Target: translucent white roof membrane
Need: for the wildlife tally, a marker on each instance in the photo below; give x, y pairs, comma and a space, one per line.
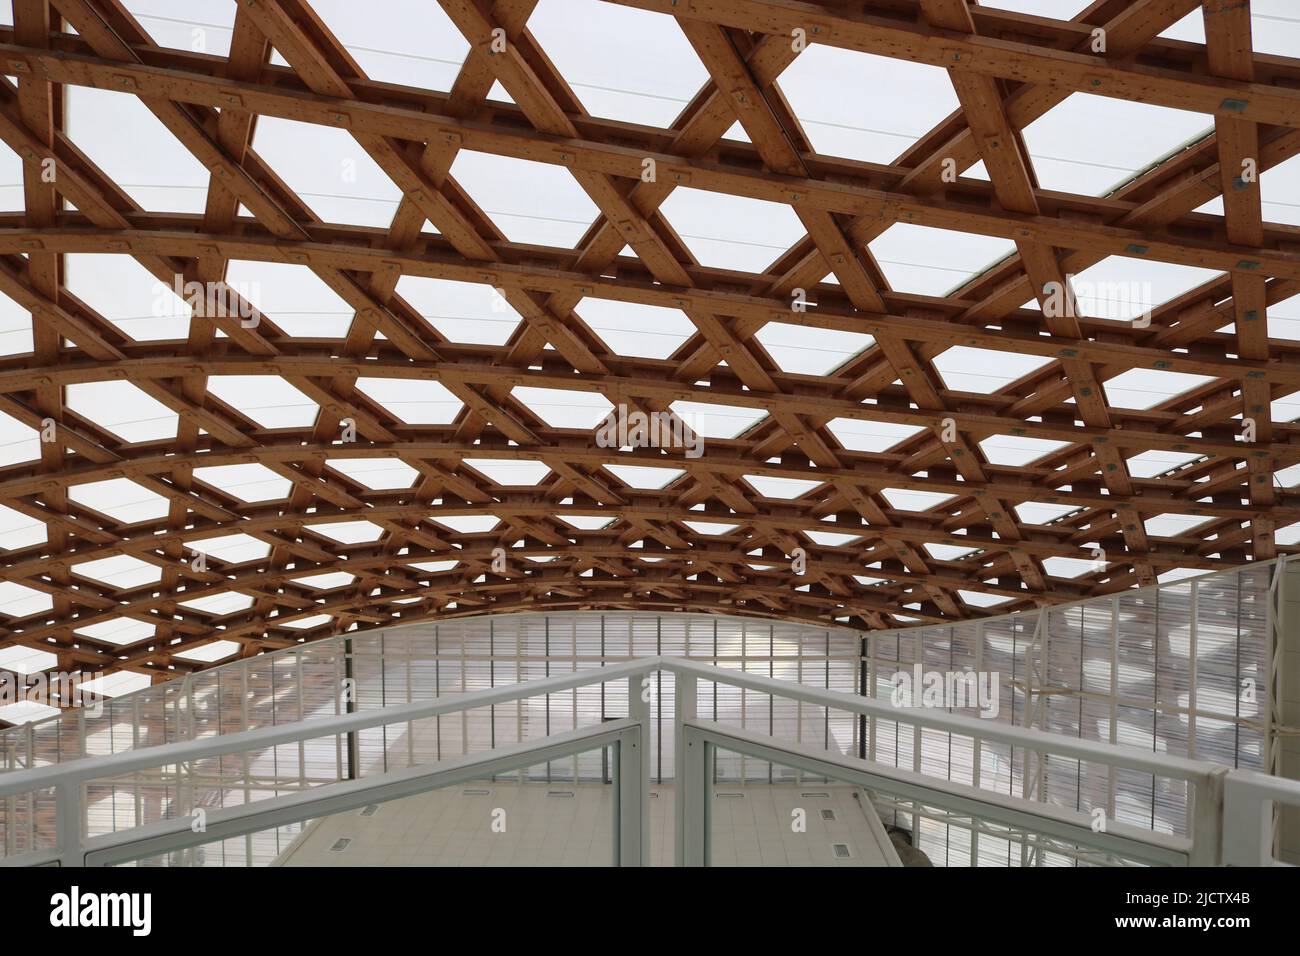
808, 350
222, 603
329, 170
376, 473
1055, 9
982, 370
467, 524
17, 600
1016, 449
1035, 512
1279, 187
770, 487
1284, 319
875, 436
564, 408
1149, 464
231, 548
641, 476
248, 482
203, 26
510, 471
1145, 388
717, 421
26, 660
709, 527
267, 400
1137, 135
531, 202
732, 232
11, 178
349, 532
15, 325
1128, 290
119, 630
947, 552
462, 312
428, 51
136, 150
934, 261
293, 297
915, 97
210, 653
909, 500
631, 328
120, 498
413, 402
616, 62
18, 442
18, 530
1274, 27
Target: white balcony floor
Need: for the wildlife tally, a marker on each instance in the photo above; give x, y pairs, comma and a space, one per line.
451, 827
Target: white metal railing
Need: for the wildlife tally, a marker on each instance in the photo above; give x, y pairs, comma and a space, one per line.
1249, 802
1145, 667
1032, 820
1227, 807
1204, 779
624, 737
1142, 666
68, 779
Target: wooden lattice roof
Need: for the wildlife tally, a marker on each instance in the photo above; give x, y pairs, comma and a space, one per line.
924, 526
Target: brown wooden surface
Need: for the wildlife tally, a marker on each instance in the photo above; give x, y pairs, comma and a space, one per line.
1007, 70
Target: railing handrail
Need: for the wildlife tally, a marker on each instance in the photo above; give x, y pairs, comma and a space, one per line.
1041, 741
1120, 755
1205, 778
184, 751
1265, 786
1008, 809
343, 795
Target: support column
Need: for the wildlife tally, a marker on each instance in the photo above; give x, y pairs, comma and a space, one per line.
686, 692
1285, 702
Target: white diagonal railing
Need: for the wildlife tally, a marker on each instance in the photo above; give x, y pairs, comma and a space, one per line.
1247, 810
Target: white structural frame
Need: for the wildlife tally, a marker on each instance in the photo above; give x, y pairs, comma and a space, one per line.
622, 736
1230, 815
703, 738
1205, 779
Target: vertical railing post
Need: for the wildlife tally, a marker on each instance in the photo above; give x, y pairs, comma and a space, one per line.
31, 805
350, 702
1112, 735
1275, 690
1194, 611
693, 788
685, 708
68, 813
634, 776
1210, 831
977, 746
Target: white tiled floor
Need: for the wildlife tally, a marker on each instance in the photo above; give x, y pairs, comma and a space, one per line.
755, 827
572, 825
455, 827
